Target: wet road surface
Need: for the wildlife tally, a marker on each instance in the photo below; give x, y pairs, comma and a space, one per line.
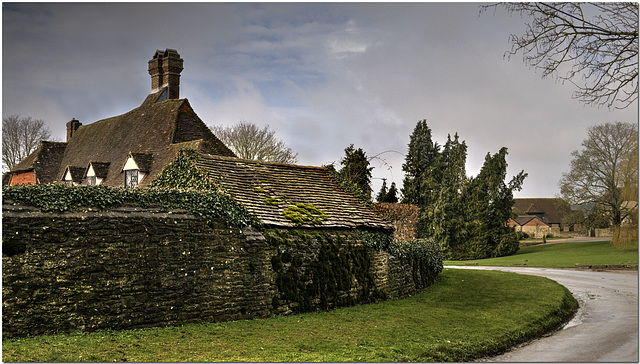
605, 329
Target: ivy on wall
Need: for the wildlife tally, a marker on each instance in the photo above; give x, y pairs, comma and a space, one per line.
342, 259
324, 278
425, 250
61, 198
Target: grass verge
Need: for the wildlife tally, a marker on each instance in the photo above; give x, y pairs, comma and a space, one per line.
466, 315
561, 255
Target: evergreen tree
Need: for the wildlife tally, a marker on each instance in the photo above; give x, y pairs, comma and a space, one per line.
382, 195
448, 223
466, 216
488, 207
392, 194
355, 168
421, 167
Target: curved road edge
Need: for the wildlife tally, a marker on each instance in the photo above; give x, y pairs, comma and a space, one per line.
605, 328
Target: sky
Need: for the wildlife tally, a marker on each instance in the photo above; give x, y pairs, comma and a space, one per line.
322, 75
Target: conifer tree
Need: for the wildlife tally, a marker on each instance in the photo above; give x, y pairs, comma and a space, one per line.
466, 216
382, 195
385, 195
421, 167
392, 194
448, 222
355, 168
489, 207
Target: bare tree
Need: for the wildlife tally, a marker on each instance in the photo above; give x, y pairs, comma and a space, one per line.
20, 137
598, 42
248, 141
605, 171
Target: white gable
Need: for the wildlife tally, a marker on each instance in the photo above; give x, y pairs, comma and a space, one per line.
67, 176
91, 172
131, 164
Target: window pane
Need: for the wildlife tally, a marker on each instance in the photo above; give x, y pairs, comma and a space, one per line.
131, 178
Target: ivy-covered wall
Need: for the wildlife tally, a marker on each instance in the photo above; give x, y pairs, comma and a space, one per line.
132, 266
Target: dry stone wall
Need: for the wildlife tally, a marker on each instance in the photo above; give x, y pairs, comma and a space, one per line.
132, 267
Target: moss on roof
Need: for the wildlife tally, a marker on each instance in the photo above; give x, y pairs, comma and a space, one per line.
305, 196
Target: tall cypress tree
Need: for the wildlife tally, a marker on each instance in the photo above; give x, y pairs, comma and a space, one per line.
489, 207
466, 216
448, 222
421, 167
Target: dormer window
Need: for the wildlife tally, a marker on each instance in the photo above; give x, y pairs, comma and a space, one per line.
68, 180
136, 168
130, 178
73, 175
96, 173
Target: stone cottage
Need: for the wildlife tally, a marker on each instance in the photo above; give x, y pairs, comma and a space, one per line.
127, 150
135, 266
131, 149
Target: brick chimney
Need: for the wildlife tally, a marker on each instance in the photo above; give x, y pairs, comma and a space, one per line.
165, 68
72, 126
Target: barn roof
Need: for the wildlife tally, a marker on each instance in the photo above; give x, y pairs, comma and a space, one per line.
549, 210
525, 219
279, 193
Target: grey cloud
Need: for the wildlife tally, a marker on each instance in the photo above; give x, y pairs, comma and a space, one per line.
323, 75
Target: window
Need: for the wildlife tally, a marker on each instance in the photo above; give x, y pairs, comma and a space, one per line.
130, 178
91, 180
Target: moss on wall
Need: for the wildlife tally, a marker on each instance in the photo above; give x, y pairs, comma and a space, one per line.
321, 270
134, 266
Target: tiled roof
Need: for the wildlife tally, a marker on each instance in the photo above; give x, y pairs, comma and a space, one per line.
523, 219
143, 161
149, 129
45, 161
99, 168
549, 210
269, 189
77, 173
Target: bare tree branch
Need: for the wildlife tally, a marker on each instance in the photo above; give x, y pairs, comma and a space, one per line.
605, 170
20, 137
248, 141
598, 55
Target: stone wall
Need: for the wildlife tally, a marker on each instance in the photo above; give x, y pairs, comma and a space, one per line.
132, 267
404, 218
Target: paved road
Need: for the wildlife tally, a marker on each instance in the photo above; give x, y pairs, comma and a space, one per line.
605, 329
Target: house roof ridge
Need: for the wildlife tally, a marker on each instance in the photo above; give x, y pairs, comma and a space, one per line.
256, 162
53, 142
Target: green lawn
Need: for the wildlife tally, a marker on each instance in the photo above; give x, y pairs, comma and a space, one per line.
561, 255
466, 315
